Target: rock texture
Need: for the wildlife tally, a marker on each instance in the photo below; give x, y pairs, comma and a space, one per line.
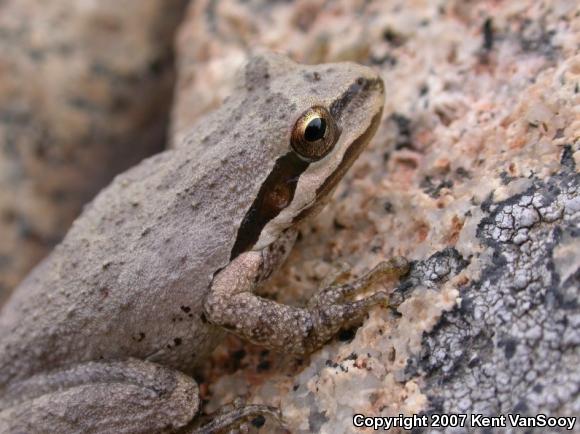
85, 90
472, 175
517, 329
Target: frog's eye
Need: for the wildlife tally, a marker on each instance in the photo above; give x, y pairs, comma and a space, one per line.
315, 134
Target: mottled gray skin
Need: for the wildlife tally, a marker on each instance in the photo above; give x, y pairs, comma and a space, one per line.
99, 337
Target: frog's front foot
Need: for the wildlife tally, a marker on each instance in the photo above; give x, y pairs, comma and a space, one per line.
232, 304
333, 306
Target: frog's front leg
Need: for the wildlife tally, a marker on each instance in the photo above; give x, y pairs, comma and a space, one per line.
232, 304
131, 396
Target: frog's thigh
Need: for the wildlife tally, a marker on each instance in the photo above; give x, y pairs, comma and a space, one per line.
121, 397
232, 304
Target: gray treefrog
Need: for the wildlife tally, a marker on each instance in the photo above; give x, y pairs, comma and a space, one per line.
103, 335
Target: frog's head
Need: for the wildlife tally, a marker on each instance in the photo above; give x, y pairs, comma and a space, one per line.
320, 119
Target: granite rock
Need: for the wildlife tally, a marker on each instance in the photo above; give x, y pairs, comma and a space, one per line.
75, 109
472, 175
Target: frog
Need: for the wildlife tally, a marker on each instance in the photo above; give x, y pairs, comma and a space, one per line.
105, 334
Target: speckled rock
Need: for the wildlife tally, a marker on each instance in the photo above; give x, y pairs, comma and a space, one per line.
472, 175
85, 88
517, 329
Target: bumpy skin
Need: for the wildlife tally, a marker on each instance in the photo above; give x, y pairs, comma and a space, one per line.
98, 338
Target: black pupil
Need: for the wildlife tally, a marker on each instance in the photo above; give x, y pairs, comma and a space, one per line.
315, 130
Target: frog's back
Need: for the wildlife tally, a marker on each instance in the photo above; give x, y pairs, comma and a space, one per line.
130, 277
131, 274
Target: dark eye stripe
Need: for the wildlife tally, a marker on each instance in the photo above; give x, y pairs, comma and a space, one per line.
360, 85
278, 188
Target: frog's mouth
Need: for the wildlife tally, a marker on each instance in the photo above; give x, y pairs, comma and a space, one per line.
351, 154
324, 192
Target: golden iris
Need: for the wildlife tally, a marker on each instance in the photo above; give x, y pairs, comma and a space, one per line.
315, 134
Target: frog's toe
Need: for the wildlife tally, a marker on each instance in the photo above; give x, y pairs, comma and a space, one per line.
328, 319
341, 269
238, 420
393, 268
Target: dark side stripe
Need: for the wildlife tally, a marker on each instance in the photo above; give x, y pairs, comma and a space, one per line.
278, 188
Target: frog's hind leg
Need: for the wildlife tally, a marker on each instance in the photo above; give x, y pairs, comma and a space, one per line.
131, 396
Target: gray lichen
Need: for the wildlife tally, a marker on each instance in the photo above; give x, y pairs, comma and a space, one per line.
436, 269
512, 345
